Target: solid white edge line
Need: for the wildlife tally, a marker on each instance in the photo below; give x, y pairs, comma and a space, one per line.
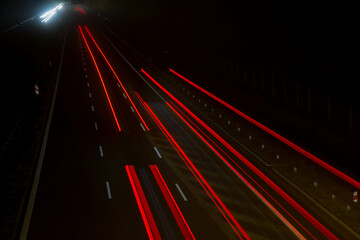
142, 127
181, 192
101, 151
157, 152
108, 189
31, 202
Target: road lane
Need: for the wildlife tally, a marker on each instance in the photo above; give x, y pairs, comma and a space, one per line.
71, 202
71, 194
301, 220
230, 188
85, 151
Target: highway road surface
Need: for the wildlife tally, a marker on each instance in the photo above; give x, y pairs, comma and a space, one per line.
123, 160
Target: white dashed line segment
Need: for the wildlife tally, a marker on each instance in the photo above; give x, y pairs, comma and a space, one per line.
108, 189
157, 152
101, 151
181, 192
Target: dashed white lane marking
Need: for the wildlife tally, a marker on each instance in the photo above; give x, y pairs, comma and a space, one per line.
88, 84
96, 127
86, 76
84, 63
108, 189
157, 152
85, 69
142, 127
89, 95
124, 95
82, 58
101, 151
181, 192
132, 109
92, 108
118, 85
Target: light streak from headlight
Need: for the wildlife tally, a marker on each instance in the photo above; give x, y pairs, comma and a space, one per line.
46, 16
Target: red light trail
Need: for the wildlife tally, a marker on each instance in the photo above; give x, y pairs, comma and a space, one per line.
184, 227
232, 221
122, 86
102, 82
276, 135
173, 106
284, 195
143, 205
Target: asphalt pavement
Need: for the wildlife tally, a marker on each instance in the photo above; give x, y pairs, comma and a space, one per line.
84, 190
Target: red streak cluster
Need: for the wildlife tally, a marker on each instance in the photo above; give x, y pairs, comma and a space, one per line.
102, 81
117, 78
143, 205
284, 195
276, 135
184, 227
208, 189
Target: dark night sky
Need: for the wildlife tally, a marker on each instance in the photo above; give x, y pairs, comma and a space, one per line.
319, 33
12, 12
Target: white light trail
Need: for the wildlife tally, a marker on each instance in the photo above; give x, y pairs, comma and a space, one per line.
46, 16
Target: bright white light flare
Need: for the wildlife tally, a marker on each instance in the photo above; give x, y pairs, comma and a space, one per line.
46, 16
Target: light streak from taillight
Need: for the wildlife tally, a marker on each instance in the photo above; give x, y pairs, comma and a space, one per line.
142, 203
140, 98
102, 82
277, 213
184, 227
192, 171
232, 221
122, 86
284, 195
276, 135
